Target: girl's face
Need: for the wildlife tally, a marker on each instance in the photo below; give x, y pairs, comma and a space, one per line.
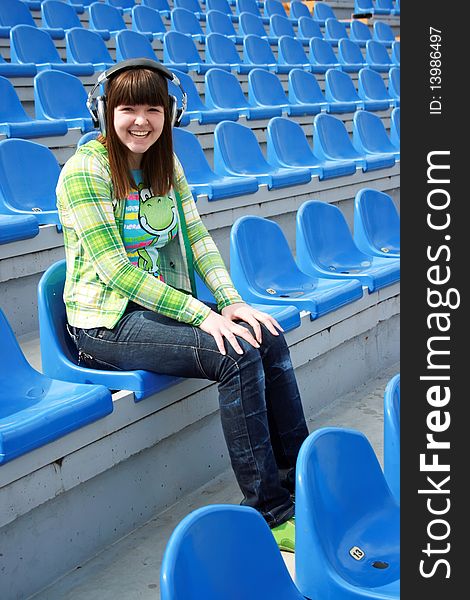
138, 127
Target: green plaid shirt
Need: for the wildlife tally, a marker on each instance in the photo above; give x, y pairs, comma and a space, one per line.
100, 279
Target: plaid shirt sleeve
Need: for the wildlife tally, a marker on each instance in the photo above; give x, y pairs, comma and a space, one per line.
84, 196
207, 259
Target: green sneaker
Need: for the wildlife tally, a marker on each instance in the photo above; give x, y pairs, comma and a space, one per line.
285, 536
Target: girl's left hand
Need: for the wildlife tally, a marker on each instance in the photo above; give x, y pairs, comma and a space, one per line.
241, 311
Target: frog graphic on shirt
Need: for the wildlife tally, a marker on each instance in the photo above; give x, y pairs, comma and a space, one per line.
157, 216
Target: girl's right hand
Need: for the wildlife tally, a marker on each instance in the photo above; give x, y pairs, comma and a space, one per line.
220, 327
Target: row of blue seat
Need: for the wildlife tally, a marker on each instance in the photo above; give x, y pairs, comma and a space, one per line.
343, 549
29, 171
377, 7
60, 99
330, 272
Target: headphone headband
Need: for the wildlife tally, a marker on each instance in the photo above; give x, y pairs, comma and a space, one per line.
97, 105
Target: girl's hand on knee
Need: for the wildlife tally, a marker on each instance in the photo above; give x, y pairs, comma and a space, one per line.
220, 327
244, 312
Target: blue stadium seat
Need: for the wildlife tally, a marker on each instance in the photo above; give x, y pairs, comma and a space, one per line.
376, 223
85, 46
9, 69
394, 85
395, 127
392, 435
15, 12
385, 5
372, 89
250, 6
334, 31
36, 409
60, 95
322, 12
148, 22
207, 556
377, 56
193, 6
332, 142
31, 45
59, 354
104, 17
290, 52
287, 146
196, 108
184, 21
201, 178
125, 6
17, 227
279, 26
274, 7
219, 22
299, 9
350, 56
396, 53
224, 91
58, 14
322, 56
237, 152
222, 6
340, 91
308, 28
86, 137
325, 248
132, 44
265, 89
222, 53
16, 123
28, 177
383, 33
370, 136
360, 33
180, 52
264, 271
369, 7
162, 6
250, 24
345, 549
257, 52
304, 88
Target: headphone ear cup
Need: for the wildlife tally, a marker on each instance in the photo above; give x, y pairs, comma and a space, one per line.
101, 113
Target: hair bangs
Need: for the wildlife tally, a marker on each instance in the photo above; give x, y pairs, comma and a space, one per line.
139, 87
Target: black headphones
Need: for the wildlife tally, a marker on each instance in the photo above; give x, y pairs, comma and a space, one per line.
97, 104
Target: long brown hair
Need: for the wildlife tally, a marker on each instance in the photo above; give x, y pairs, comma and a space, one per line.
134, 87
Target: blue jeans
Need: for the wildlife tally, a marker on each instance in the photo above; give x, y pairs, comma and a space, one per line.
260, 406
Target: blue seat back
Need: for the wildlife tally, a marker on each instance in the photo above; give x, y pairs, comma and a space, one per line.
132, 44
304, 87
274, 7
179, 48
331, 139
308, 28
335, 30
396, 53
265, 88
86, 46
219, 22
250, 24
193, 98
28, 176
59, 95
322, 12
334, 465
321, 52
236, 149
224, 90
257, 51
221, 50
291, 52
184, 21
287, 143
160, 5
392, 435
371, 85
14, 13
220, 5
192, 5
280, 25
339, 87
86, 137
145, 19
11, 109
376, 53
29, 44
359, 32
376, 223
394, 82
207, 557
105, 16
385, 4
127, 4
299, 9
382, 32
59, 14
250, 6
395, 126
369, 133
192, 157
349, 52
